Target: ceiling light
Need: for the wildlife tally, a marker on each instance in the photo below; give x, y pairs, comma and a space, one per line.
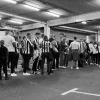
84, 22
20, 17
58, 11
11, 1
53, 14
0, 18
31, 7
15, 21
33, 4
18, 20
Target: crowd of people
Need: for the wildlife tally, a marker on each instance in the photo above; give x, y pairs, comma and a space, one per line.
45, 52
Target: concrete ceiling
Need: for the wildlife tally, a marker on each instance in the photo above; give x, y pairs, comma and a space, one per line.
70, 7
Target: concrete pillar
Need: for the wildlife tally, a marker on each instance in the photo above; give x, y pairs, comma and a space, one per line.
87, 39
47, 30
98, 36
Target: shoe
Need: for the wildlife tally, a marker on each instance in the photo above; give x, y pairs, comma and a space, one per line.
28, 68
38, 72
50, 74
64, 67
9, 69
17, 70
54, 69
3, 75
0, 78
26, 74
42, 73
8, 73
13, 74
6, 78
77, 67
91, 63
71, 67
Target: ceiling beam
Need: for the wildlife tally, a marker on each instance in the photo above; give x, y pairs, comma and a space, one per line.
73, 19
9, 28
32, 26
67, 20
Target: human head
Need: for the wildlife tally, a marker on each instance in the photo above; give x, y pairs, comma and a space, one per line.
16, 38
29, 35
45, 38
61, 38
24, 37
37, 34
9, 33
2, 42
75, 38
91, 42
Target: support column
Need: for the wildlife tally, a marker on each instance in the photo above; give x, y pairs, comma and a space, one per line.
98, 36
47, 31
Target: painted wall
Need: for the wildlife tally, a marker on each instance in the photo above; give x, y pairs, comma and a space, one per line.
57, 33
2, 34
69, 35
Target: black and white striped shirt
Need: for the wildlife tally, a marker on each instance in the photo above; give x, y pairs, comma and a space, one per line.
45, 47
17, 47
27, 46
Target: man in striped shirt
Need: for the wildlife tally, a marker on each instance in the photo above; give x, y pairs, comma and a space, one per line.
27, 53
16, 53
45, 50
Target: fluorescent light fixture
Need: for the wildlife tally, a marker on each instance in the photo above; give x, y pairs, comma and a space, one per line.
84, 22
31, 7
20, 17
0, 18
53, 14
15, 21
11, 1
33, 4
58, 12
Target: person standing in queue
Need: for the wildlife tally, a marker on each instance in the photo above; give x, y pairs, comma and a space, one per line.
9, 42
45, 47
62, 49
16, 53
27, 51
3, 60
55, 54
75, 48
35, 56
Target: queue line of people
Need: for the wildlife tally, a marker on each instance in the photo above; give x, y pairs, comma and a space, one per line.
56, 54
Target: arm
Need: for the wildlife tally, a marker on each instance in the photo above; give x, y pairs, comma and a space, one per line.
52, 45
13, 42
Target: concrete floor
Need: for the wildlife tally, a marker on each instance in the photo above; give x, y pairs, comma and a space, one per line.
37, 87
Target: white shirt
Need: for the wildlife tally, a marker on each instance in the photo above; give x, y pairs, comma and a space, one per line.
95, 49
8, 42
40, 40
75, 45
99, 48
92, 49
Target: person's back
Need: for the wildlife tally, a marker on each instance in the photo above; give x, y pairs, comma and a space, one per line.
3, 59
3, 53
75, 45
8, 41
